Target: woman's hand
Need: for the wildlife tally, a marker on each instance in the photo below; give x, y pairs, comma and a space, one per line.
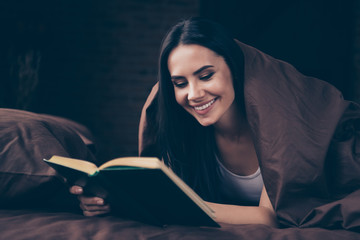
91, 206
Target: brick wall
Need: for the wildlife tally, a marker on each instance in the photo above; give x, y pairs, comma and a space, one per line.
98, 60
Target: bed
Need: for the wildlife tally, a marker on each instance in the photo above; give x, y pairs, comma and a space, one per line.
35, 203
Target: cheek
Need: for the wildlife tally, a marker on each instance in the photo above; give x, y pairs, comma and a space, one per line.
230, 96
180, 97
231, 92
223, 88
227, 87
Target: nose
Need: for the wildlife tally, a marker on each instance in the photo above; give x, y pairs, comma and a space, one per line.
196, 92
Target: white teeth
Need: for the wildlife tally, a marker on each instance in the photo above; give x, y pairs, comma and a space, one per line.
205, 105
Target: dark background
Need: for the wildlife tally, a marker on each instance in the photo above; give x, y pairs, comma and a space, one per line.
96, 61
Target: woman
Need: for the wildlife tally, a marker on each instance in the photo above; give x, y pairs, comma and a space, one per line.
222, 110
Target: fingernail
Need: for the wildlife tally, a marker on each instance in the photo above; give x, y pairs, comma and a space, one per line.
78, 190
100, 202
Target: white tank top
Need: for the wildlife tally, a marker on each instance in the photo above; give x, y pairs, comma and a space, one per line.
237, 189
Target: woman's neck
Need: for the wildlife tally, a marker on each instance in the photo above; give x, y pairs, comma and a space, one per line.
232, 125
235, 144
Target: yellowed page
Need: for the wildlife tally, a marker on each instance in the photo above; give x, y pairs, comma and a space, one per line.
80, 165
142, 162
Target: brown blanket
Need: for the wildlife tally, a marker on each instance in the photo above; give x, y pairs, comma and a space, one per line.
307, 141
23, 224
35, 203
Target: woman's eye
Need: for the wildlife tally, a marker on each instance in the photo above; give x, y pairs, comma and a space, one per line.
180, 84
206, 76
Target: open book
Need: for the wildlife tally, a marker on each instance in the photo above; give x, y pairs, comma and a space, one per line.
139, 188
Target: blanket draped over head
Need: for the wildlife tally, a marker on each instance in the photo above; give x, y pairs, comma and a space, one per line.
307, 139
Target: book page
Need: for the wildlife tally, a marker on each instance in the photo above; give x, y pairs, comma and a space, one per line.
77, 164
140, 162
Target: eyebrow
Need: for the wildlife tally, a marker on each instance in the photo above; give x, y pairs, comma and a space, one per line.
194, 73
202, 68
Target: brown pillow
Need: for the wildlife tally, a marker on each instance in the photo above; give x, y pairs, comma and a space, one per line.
25, 139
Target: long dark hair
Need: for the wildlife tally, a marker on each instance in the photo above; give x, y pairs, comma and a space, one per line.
186, 146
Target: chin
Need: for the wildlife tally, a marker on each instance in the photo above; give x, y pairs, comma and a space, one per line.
205, 123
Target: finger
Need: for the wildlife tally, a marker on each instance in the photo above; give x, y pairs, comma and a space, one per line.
94, 213
93, 208
77, 190
91, 200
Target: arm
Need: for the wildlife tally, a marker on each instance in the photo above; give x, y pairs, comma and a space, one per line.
234, 214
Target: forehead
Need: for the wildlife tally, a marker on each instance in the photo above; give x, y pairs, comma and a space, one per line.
191, 57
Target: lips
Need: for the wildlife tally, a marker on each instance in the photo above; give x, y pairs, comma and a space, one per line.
203, 108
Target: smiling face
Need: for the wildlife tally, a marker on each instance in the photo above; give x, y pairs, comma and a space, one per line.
202, 82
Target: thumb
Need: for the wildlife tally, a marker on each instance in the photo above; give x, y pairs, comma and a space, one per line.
77, 190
